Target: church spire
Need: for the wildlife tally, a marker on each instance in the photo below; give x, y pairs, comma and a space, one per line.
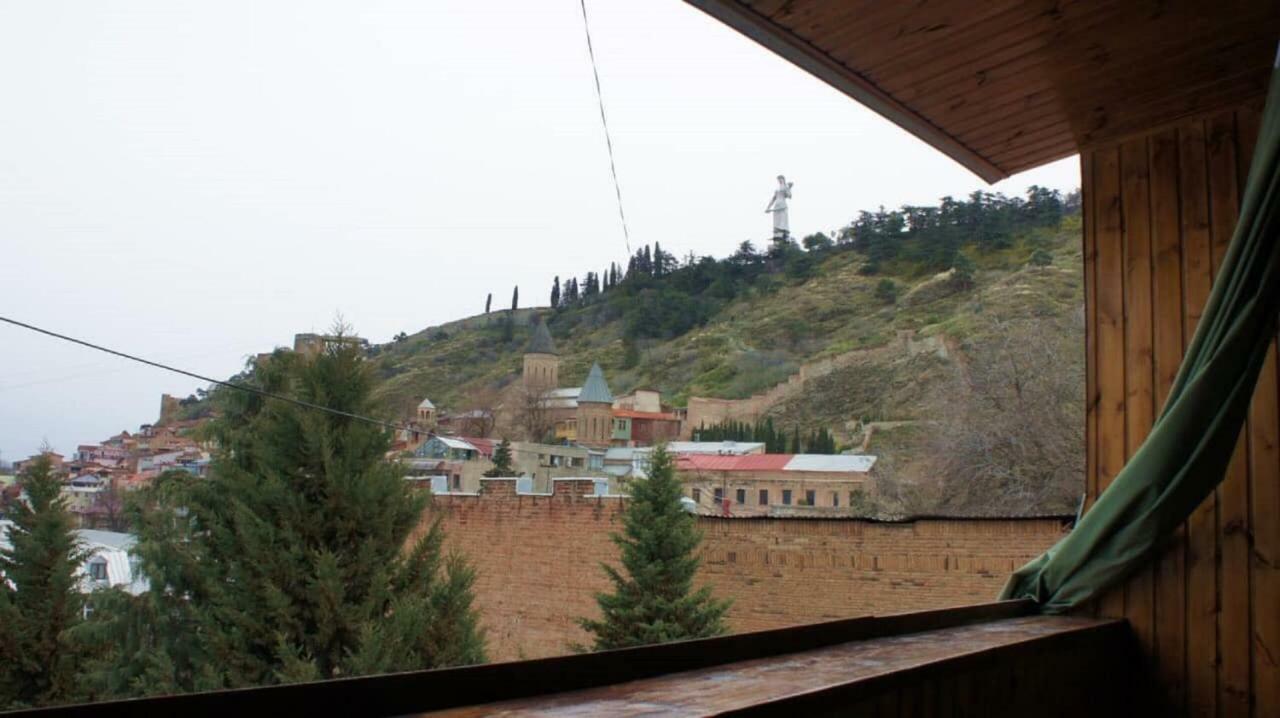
541, 342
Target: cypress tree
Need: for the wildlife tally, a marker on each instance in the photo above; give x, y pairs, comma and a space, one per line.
501, 461
555, 292
795, 442
488, 302
515, 298
302, 566
40, 595
653, 599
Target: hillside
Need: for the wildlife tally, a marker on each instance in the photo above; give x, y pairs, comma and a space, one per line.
937, 349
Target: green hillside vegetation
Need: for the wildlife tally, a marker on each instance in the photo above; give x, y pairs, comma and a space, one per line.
969, 280
733, 327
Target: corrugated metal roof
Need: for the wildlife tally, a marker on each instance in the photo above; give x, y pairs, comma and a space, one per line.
595, 389
726, 448
457, 443
484, 446
831, 462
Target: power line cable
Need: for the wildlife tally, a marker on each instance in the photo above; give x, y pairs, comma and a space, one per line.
608, 141
241, 387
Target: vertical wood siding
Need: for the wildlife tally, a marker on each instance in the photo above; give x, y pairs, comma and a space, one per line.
1160, 210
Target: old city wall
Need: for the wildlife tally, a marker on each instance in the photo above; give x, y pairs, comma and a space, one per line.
538, 560
705, 411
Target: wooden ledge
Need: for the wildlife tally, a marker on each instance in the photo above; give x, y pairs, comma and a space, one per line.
799, 683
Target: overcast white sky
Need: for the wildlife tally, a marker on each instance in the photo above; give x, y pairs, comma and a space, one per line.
196, 181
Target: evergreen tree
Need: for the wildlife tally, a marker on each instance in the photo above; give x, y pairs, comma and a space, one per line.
293, 561
488, 302
40, 595
653, 600
555, 292
515, 298
795, 442
501, 461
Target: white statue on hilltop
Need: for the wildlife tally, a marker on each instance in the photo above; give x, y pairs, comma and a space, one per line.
778, 206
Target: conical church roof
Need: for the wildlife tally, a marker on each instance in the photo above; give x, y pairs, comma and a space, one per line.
541, 342
595, 389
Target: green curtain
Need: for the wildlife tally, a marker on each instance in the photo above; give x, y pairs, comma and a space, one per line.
1191, 443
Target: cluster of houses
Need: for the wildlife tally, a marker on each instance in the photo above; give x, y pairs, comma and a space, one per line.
96, 475
587, 432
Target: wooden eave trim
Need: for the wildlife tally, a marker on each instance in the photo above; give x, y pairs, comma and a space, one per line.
804, 55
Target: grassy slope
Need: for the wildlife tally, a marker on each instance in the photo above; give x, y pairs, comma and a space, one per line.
758, 340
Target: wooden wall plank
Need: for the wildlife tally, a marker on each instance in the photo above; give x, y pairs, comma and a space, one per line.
1139, 402
1202, 537
1264, 481
1234, 679
1169, 645
1090, 338
1264, 488
1109, 232
1209, 615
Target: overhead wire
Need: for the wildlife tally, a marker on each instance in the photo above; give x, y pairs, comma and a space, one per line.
604, 122
219, 382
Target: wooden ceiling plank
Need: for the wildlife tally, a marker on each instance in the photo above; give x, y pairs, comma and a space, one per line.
1102, 66
867, 43
1092, 99
1029, 55
971, 42
817, 63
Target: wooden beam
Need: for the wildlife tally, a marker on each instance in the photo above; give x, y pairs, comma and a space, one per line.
817, 63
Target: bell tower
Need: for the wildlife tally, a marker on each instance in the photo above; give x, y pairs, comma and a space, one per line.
541, 361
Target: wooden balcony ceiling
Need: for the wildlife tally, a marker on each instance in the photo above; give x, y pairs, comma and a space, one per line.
1002, 86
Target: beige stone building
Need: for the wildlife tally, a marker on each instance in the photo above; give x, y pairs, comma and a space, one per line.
773, 484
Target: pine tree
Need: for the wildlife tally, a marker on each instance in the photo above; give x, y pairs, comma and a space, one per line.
795, 442
301, 567
501, 461
653, 599
555, 293
515, 298
40, 595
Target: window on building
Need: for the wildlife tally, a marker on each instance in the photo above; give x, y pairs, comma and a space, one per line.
719, 494
98, 569
457, 482
786, 497
835, 498
764, 497
742, 496
697, 496
810, 498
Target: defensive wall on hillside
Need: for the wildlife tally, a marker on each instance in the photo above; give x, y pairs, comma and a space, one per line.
706, 411
538, 559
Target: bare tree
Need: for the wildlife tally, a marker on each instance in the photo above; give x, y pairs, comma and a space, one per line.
109, 504
1011, 437
535, 415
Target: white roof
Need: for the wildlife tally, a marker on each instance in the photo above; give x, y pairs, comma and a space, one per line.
564, 397
860, 463
108, 546
426, 404
456, 443
718, 448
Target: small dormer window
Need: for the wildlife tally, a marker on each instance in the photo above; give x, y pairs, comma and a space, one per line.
98, 569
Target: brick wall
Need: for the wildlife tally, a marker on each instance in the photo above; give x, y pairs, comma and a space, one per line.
538, 559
